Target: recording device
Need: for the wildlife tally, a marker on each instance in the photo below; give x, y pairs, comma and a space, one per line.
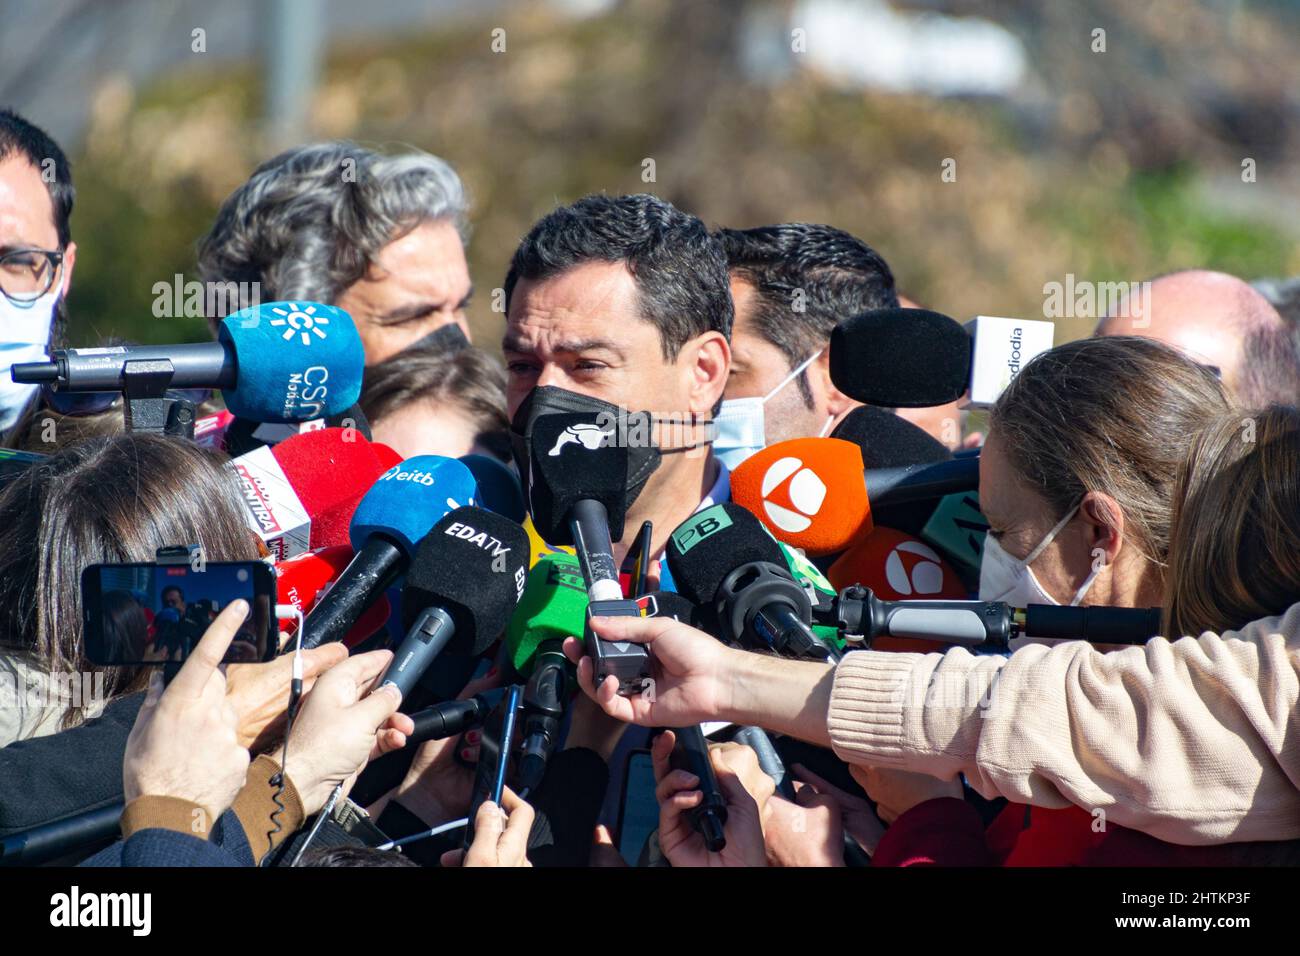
448, 719
992, 625
577, 496
152, 613
462, 587
274, 362
708, 818
809, 492
723, 560
387, 526
494, 756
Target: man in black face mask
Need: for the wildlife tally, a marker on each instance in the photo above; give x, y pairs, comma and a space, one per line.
623, 302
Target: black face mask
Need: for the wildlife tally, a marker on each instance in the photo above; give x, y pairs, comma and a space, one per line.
447, 338
631, 430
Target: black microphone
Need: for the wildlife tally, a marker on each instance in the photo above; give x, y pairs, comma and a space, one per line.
724, 560
448, 719
907, 484
1095, 623
467, 576
901, 358
50, 841
887, 441
709, 817
576, 496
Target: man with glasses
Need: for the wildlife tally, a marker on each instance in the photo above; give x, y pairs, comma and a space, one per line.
36, 253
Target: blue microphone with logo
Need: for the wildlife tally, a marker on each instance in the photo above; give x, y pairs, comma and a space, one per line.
387, 527
276, 362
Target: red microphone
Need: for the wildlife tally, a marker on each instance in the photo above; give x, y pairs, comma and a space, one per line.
301, 581
301, 493
898, 567
809, 492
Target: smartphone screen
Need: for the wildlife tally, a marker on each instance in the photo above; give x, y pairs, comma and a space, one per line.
154, 613
638, 812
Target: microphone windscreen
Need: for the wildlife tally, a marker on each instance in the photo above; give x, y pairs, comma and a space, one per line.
709, 545
473, 565
909, 358
385, 455
897, 567
498, 488
302, 580
553, 607
809, 492
351, 417
409, 499
296, 361
575, 458
887, 441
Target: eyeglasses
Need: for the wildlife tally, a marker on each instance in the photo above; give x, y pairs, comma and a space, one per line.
92, 403
27, 274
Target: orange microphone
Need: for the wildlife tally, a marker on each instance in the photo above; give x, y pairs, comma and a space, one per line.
809, 492
898, 567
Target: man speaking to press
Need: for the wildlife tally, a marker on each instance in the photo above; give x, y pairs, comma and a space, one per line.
624, 303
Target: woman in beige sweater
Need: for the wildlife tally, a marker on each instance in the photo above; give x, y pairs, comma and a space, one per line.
1193, 741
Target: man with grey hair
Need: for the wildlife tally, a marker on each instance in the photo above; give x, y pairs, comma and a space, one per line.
1219, 320
381, 237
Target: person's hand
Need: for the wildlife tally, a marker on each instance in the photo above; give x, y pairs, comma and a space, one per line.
260, 692
184, 743
498, 840
897, 791
677, 796
858, 818
690, 670
806, 832
436, 788
341, 726
603, 851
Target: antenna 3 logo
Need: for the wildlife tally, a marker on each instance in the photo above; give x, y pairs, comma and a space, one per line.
913, 568
792, 495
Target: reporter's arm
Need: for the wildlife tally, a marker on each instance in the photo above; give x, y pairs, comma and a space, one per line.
1193, 742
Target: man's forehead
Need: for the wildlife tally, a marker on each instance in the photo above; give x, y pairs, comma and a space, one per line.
26, 210
594, 302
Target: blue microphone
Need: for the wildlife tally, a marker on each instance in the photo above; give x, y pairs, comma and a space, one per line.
277, 362
386, 530
498, 487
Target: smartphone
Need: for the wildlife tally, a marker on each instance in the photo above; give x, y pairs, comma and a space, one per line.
638, 808
494, 755
156, 613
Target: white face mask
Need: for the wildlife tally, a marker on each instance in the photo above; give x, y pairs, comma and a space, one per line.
24, 337
1012, 580
740, 427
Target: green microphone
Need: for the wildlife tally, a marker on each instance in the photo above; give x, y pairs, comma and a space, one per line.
820, 591
554, 606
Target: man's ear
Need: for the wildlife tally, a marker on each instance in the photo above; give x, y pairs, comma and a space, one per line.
1105, 526
837, 403
707, 362
69, 261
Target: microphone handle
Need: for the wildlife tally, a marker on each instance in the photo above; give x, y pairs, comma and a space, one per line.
589, 523
371, 570
52, 840
426, 639
769, 761
709, 818
447, 719
194, 365
911, 483
1100, 625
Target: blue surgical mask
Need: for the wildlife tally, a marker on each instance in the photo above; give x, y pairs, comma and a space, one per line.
24, 337
740, 427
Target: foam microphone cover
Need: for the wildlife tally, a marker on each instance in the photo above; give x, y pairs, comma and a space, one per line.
553, 607
809, 492
709, 545
295, 361
385, 455
472, 564
409, 499
498, 487
302, 580
887, 441
897, 567
573, 459
909, 358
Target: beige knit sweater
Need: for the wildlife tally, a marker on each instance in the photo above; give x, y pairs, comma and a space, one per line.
1195, 741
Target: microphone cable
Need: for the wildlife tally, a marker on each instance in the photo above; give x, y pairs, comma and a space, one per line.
286, 612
